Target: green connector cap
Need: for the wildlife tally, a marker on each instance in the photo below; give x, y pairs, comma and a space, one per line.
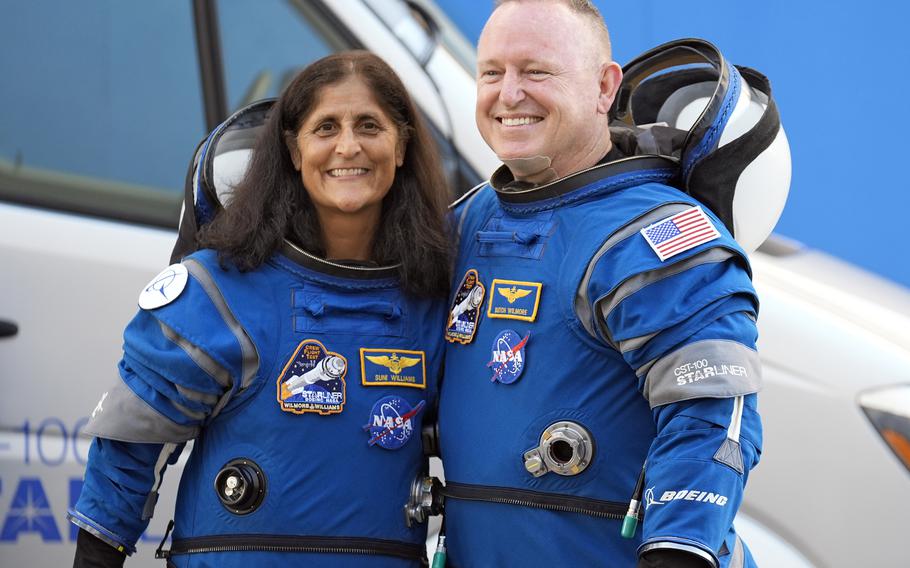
439, 560
629, 524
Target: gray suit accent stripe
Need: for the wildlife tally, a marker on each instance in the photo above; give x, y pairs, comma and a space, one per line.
582, 303
196, 396
713, 368
634, 343
604, 330
738, 559
127, 418
200, 357
247, 348
631, 285
643, 370
606, 304
149, 509
193, 414
166, 452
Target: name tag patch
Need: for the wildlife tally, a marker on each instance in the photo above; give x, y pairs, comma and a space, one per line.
516, 300
464, 314
313, 380
392, 422
393, 367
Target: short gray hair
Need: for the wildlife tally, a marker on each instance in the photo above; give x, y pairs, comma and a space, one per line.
584, 8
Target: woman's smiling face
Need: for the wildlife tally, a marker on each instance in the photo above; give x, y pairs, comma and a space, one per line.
347, 151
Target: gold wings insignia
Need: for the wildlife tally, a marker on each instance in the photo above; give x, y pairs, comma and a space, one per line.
513, 293
383, 360
405, 362
395, 364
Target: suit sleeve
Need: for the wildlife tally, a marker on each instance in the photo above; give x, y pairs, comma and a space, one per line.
181, 364
686, 326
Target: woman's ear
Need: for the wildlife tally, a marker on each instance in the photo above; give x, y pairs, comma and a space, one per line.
291, 142
400, 150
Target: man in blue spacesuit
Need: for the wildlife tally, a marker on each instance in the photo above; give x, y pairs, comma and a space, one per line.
601, 329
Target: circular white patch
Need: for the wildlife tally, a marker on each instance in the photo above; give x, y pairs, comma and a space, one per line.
164, 288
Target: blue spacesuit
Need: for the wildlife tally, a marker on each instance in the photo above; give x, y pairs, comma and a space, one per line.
303, 384
601, 323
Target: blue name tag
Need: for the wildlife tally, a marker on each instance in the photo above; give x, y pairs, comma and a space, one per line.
393, 367
512, 299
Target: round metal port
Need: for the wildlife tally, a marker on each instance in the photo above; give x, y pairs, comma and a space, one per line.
567, 448
240, 486
561, 451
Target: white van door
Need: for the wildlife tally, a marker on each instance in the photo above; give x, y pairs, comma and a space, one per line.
102, 107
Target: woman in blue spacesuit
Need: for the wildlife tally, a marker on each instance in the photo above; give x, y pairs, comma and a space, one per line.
298, 349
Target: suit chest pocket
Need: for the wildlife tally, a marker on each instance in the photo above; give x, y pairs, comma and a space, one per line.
524, 237
361, 313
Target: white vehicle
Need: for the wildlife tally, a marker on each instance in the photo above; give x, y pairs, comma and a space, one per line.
100, 114
834, 480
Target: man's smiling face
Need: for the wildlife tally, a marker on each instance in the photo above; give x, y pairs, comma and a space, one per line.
539, 86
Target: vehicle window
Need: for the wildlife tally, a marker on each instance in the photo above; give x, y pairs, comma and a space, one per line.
459, 173
265, 43
100, 107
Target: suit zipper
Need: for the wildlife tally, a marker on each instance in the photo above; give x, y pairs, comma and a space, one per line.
288, 543
537, 500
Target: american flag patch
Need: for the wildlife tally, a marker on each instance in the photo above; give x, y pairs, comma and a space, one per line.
679, 233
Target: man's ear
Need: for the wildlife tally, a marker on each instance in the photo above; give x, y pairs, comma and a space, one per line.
610, 80
291, 142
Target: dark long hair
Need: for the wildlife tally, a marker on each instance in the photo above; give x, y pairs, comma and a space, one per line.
270, 203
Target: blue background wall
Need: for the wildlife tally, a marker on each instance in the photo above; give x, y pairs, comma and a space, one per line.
840, 76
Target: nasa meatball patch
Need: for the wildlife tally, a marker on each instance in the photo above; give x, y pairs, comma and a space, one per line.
508, 358
464, 314
163, 288
392, 422
313, 380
